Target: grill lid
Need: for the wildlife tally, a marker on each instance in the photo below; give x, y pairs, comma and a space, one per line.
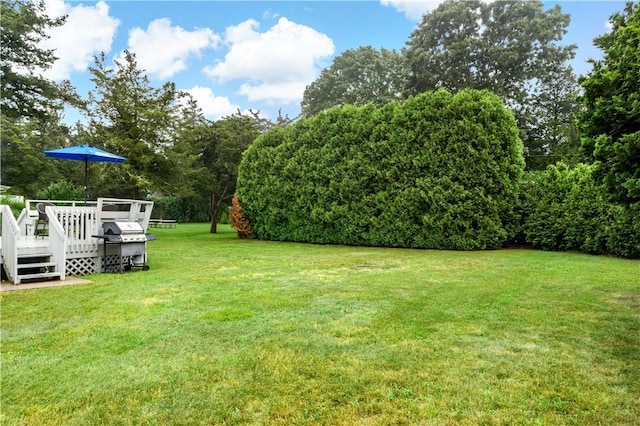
122, 228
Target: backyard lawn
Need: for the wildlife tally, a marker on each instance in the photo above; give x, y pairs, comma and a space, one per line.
224, 331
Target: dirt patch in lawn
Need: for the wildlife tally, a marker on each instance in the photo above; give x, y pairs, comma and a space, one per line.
630, 299
7, 286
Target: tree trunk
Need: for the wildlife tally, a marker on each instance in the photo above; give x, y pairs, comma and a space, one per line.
214, 207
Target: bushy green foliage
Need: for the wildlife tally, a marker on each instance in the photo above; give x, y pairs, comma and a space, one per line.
437, 171
16, 204
24, 91
610, 121
61, 190
357, 77
512, 48
565, 209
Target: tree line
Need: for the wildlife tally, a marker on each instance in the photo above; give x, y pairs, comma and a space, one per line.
513, 49
171, 148
422, 172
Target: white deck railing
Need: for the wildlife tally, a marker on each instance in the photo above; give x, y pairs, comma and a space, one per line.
57, 241
23, 220
79, 224
10, 235
32, 210
116, 209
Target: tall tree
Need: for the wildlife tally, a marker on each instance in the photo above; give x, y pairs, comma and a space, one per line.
508, 47
357, 77
220, 146
611, 120
24, 92
133, 119
548, 119
24, 166
30, 104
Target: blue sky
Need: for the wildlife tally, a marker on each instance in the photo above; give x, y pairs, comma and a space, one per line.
234, 55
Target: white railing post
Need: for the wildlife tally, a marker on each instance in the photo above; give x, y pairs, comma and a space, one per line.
57, 241
10, 235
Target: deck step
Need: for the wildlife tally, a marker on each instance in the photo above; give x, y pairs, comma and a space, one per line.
39, 276
36, 265
33, 256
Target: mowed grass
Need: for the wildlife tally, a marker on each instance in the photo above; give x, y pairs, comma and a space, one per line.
223, 331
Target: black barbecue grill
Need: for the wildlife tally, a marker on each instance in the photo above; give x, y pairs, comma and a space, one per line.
131, 242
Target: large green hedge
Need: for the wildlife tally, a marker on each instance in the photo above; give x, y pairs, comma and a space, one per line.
436, 171
565, 209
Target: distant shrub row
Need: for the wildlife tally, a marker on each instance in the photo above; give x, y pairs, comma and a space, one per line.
181, 209
436, 171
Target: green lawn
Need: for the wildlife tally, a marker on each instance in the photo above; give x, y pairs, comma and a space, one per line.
228, 331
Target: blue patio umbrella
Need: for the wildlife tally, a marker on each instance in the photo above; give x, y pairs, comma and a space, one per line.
85, 153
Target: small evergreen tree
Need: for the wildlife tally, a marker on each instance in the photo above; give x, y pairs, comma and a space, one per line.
237, 219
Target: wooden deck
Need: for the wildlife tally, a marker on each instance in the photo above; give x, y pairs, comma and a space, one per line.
70, 247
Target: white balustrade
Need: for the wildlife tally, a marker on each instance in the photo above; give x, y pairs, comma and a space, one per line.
79, 224
57, 241
10, 235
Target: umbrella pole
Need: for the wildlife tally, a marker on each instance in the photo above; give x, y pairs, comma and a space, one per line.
86, 168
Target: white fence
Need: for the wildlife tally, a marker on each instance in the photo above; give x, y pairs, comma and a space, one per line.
10, 235
78, 225
57, 242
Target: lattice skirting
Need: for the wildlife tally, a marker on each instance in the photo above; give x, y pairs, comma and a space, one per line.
113, 263
92, 265
82, 266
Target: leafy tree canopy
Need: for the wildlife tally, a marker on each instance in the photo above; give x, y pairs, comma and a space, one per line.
133, 119
499, 46
220, 146
25, 93
24, 165
357, 77
510, 48
611, 121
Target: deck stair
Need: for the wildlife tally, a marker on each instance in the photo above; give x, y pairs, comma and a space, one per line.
35, 262
36, 268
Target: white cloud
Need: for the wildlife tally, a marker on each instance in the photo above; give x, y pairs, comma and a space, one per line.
412, 9
279, 63
213, 107
270, 14
88, 30
163, 50
286, 92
